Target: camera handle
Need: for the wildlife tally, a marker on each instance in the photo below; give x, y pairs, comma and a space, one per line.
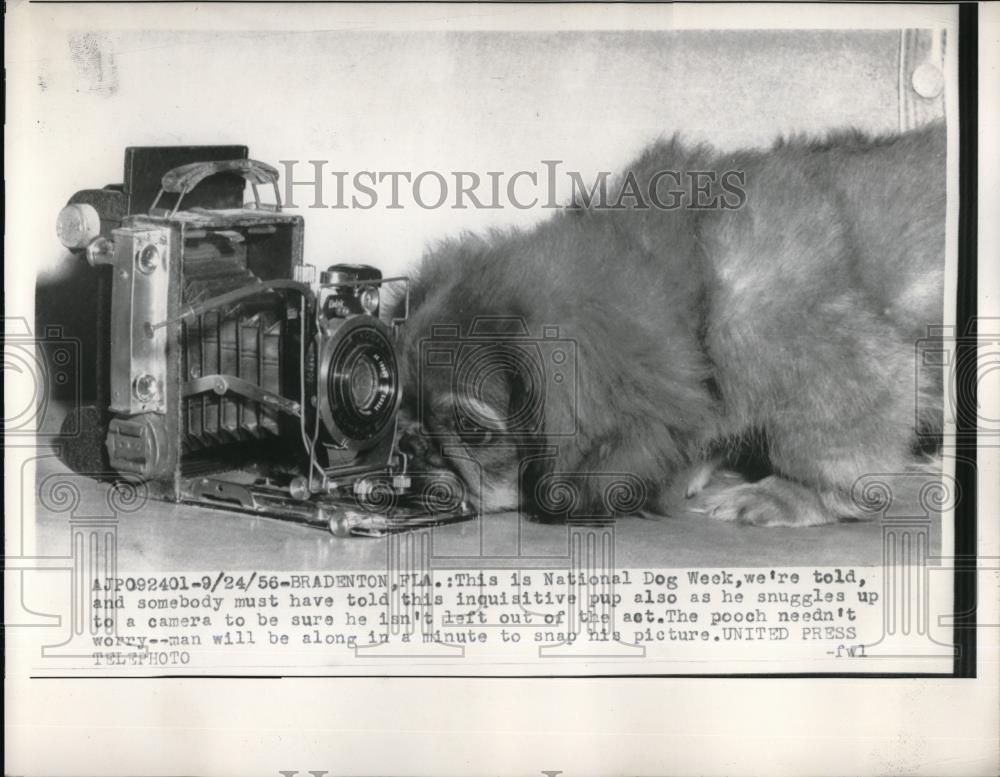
183, 179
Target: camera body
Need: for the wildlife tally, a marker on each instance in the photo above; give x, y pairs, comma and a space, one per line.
234, 375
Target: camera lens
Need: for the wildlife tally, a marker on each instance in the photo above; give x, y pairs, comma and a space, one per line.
358, 368
363, 383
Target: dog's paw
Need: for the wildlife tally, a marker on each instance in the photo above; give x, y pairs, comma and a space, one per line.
772, 501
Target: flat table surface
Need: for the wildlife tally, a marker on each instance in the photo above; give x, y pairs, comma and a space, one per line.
164, 536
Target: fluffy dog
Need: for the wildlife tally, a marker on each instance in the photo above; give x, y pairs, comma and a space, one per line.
775, 329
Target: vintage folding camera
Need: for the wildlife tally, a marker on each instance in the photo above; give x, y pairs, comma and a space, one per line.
232, 374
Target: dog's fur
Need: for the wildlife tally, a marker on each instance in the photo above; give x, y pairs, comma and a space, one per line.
784, 328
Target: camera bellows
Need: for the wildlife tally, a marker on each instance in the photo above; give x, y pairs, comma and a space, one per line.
244, 342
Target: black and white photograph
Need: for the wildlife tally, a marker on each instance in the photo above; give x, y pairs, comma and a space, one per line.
711, 331
499, 340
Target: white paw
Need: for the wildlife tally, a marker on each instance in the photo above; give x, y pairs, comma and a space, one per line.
772, 501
